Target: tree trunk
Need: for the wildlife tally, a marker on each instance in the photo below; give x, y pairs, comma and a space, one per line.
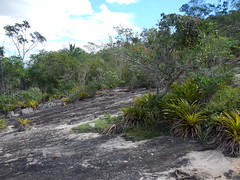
168, 85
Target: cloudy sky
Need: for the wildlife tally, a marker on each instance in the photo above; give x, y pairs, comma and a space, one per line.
80, 21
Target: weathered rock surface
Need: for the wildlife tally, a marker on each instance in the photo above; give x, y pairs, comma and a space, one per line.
51, 151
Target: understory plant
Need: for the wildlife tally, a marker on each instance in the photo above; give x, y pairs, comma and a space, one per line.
3, 125
32, 93
187, 118
24, 124
188, 90
145, 110
6, 104
224, 100
33, 104
228, 132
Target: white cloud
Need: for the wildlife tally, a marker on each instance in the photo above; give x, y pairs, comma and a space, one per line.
122, 1
62, 22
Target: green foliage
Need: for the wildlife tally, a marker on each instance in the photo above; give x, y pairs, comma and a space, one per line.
145, 110
3, 125
188, 118
24, 124
21, 104
12, 75
98, 125
77, 94
227, 25
135, 78
30, 94
111, 79
56, 71
6, 104
216, 50
188, 90
32, 103
225, 99
209, 82
65, 100
147, 132
228, 132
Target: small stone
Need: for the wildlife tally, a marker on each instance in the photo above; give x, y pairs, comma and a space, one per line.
26, 111
92, 124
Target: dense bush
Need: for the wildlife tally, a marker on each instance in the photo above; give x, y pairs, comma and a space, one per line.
7, 103
30, 94
187, 90
145, 110
226, 99
209, 81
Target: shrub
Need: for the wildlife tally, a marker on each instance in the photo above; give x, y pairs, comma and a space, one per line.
188, 118
111, 79
91, 88
78, 94
225, 99
21, 104
32, 93
64, 100
24, 124
33, 104
210, 82
228, 132
6, 104
145, 110
3, 124
188, 90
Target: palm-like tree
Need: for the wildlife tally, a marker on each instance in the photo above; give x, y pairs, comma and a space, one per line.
73, 51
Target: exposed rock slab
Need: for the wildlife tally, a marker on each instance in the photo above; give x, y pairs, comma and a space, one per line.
51, 151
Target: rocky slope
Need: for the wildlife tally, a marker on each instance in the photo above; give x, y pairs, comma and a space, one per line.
49, 150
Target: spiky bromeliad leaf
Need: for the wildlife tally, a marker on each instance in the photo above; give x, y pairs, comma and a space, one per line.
228, 132
187, 118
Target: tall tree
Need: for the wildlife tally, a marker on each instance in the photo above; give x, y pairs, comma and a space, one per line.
23, 41
170, 51
202, 9
1, 52
197, 8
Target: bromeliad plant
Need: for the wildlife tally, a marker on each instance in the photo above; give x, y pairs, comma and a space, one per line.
145, 110
228, 132
24, 124
188, 118
33, 104
3, 125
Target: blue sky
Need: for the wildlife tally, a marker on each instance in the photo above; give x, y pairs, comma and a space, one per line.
146, 12
82, 21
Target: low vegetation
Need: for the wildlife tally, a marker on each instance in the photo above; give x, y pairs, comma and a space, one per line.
3, 125
99, 125
24, 124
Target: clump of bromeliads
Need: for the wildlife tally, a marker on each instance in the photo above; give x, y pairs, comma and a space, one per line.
189, 110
